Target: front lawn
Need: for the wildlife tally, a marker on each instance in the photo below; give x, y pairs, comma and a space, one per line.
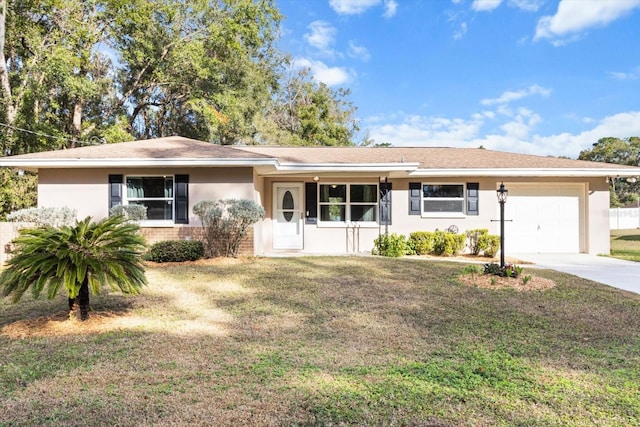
325, 341
625, 244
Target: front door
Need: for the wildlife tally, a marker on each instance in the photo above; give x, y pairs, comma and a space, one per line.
287, 216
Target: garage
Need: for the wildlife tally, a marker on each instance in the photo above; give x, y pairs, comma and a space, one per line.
544, 218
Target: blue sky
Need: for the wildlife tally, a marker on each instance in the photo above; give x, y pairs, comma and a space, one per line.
546, 77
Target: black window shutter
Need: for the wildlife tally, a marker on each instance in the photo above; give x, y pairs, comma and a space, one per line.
182, 199
311, 202
472, 198
385, 203
115, 190
414, 198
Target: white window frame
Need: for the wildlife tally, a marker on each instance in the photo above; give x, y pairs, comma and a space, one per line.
463, 199
152, 222
347, 204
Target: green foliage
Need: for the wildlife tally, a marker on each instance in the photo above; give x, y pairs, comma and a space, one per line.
448, 244
441, 243
472, 269
17, 191
422, 242
391, 245
130, 212
619, 151
225, 223
175, 251
489, 244
80, 259
473, 237
45, 217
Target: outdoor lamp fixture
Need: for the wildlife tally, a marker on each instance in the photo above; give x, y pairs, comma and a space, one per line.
502, 199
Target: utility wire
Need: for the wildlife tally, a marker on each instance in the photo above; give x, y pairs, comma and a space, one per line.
36, 133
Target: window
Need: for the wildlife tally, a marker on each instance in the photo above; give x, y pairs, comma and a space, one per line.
445, 199
153, 192
348, 202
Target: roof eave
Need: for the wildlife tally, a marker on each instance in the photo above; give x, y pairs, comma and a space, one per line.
528, 172
133, 162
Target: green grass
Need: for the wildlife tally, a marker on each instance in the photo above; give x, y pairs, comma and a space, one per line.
325, 341
625, 244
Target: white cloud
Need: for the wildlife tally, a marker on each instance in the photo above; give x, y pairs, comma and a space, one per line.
352, 7
526, 5
510, 96
331, 76
462, 30
430, 131
514, 136
625, 75
390, 8
321, 36
485, 5
359, 52
577, 16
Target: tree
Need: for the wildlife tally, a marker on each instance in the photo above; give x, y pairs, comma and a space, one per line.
81, 259
619, 151
306, 112
17, 191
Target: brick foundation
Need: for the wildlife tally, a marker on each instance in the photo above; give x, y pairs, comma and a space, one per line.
157, 234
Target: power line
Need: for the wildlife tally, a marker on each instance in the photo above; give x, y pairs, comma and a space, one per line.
37, 133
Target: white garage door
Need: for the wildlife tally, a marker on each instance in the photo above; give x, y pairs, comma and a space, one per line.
545, 218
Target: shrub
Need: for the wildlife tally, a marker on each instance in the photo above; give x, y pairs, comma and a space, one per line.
130, 212
421, 242
489, 244
43, 217
448, 243
225, 223
509, 270
474, 240
175, 251
391, 245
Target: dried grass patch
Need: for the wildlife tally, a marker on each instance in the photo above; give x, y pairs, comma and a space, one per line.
490, 281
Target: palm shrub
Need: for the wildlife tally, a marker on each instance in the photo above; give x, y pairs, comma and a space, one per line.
225, 223
80, 258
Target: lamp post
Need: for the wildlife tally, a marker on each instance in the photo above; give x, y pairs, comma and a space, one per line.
502, 199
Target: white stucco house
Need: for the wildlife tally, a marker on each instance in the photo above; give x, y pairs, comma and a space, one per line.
337, 200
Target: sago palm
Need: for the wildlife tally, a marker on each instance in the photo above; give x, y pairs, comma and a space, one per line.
80, 259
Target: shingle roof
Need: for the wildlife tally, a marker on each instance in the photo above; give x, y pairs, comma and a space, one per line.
172, 147
185, 151
426, 157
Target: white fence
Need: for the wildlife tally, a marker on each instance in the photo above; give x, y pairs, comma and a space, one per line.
624, 218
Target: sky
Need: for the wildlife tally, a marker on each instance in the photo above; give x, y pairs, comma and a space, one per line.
545, 77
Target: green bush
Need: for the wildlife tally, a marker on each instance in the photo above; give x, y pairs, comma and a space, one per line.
475, 241
391, 245
489, 244
175, 251
421, 242
448, 244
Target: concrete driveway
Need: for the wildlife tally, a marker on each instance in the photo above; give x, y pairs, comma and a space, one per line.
610, 271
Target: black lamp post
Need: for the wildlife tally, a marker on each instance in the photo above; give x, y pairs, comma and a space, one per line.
502, 199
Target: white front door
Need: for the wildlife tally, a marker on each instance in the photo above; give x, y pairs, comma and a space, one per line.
287, 216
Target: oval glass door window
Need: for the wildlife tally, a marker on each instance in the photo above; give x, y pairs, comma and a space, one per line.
287, 205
